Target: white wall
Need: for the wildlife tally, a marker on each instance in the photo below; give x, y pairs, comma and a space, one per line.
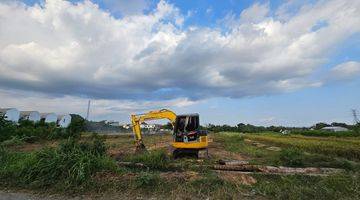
64, 121
49, 117
12, 115
33, 116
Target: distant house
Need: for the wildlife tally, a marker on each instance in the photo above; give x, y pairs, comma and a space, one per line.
33, 116
48, 117
284, 131
126, 126
63, 121
113, 123
10, 114
334, 128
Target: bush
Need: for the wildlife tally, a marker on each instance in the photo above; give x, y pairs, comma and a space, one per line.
7, 129
70, 165
14, 141
146, 180
292, 157
30, 131
77, 125
156, 160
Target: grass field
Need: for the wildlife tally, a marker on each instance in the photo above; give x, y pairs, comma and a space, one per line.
88, 167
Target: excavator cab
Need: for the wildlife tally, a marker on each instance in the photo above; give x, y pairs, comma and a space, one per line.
188, 138
186, 127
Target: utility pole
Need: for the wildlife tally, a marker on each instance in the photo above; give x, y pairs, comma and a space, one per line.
88, 111
355, 116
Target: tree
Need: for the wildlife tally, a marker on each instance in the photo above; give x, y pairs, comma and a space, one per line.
168, 126
77, 125
320, 125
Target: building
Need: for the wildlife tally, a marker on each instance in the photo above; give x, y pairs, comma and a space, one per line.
284, 131
63, 121
113, 123
126, 126
33, 116
10, 114
334, 128
48, 117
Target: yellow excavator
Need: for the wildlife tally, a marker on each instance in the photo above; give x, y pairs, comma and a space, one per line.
187, 138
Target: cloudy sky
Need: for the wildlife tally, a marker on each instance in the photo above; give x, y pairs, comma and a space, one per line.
289, 62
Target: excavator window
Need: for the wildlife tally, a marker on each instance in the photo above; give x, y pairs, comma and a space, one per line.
186, 123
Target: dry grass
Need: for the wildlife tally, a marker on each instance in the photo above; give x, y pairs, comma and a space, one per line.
348, 148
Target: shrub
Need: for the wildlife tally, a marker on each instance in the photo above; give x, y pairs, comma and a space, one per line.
70, 165
146, 180
7, 129
157, 160
292, 157
30, 131
13, 141
77, 125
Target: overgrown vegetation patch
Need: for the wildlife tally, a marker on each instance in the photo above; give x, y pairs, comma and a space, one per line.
346, 148
69, 166
308, 187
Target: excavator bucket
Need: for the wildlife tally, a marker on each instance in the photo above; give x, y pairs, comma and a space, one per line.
140, 148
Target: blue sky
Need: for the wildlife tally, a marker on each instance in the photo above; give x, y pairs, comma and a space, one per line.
291, 63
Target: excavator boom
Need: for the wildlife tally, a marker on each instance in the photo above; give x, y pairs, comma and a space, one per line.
137, 119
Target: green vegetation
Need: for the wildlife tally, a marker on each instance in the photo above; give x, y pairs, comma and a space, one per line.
147, 180
69, 166
354, 130
154, 160
341, 147
29, 131
292, 157
234, 142
322, 133
81, 164
308, 187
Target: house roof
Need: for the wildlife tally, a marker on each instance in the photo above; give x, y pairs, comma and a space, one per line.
334, 128
26, 113
4, 110
43, 115
61, 116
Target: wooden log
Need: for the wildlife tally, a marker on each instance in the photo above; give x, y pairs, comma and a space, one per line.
131, 164
233, 162
249, 168
277, 170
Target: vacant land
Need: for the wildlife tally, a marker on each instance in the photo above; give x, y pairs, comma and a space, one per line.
85, 167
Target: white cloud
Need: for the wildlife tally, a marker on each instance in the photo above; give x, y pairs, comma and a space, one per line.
127, 7
345, 71
100, 108
62, 48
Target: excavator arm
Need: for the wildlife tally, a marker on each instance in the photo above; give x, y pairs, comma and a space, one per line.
137, 119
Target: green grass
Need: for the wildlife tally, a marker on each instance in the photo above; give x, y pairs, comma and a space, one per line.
348, 148
291, 156
234, 142
67, 167
154, 160
308, 187
83, 166
323, 133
